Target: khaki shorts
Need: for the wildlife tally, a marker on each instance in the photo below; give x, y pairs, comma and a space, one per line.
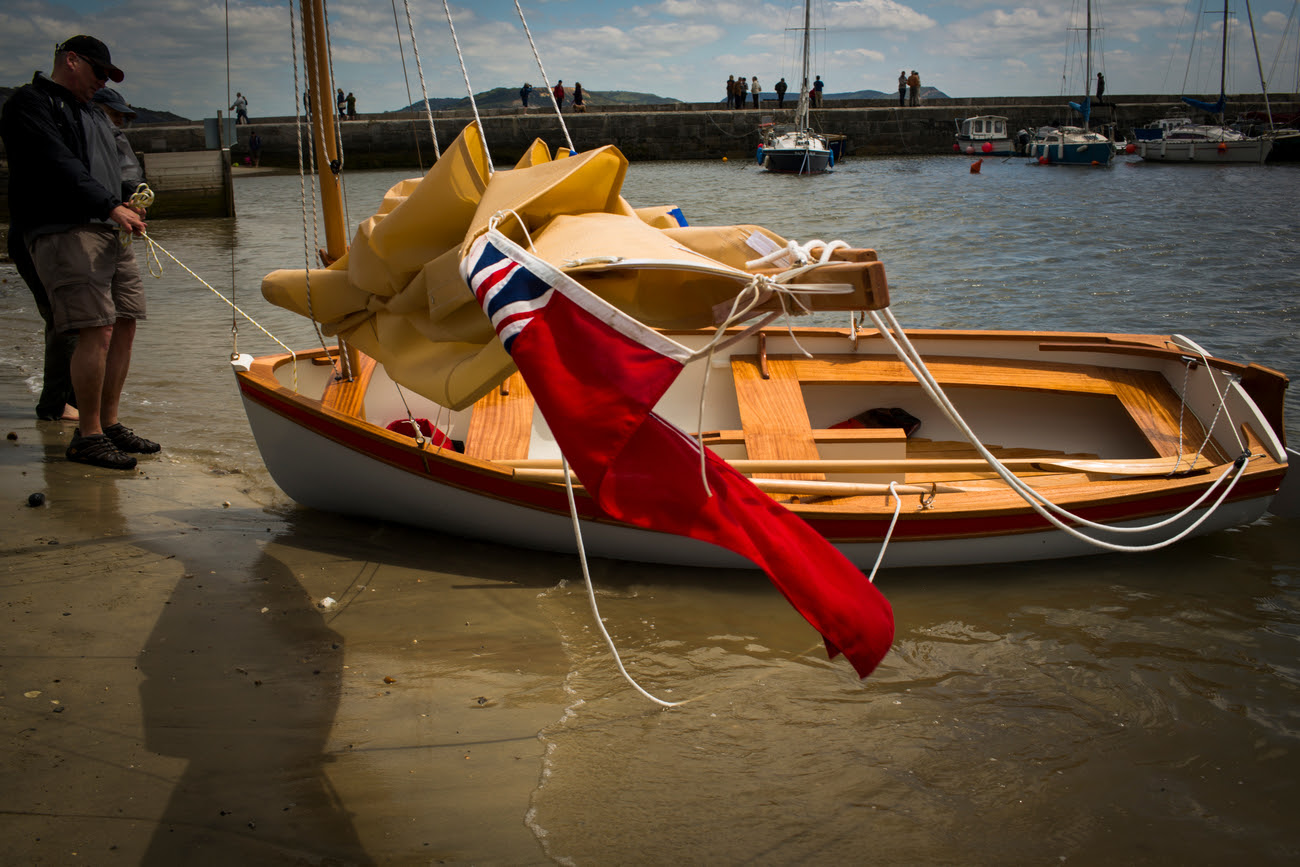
90, 278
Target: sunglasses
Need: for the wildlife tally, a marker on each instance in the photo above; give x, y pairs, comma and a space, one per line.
100, 72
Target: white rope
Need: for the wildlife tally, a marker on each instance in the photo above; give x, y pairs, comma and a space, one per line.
591, 590
911, 358
546, 81
889, 534
233, 306
1223, 400
473, 103
419, 68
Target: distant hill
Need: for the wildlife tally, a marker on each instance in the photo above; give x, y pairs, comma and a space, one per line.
508, 97
926, 93
143, 115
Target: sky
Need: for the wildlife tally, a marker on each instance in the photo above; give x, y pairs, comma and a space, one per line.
191, 56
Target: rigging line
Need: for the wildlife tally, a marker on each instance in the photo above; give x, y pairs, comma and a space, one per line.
234, 322
233, 306
303, 184
546, 81
419, 67
469, 89
406, 79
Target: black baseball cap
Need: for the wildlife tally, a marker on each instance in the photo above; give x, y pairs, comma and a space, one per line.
95, 51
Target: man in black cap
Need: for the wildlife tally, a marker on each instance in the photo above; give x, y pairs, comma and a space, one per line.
68, 197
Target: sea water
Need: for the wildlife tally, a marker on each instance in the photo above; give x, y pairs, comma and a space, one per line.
1134, 709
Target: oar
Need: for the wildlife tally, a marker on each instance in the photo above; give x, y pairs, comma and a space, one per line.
786, 486
1135, 467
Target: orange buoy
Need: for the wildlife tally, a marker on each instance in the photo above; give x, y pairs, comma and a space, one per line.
1223, 147
956, 148
1042, 161
1130, 148
975, 167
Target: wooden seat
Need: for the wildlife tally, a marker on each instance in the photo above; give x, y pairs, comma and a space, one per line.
773, 417
501, 425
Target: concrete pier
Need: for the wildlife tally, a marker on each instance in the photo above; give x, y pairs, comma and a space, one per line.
684, 131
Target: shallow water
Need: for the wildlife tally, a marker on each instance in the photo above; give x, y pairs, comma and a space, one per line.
1138, 709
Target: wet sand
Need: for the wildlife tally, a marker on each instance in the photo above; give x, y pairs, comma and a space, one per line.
173, 691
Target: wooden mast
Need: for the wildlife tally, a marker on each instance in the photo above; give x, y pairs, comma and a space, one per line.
324, 134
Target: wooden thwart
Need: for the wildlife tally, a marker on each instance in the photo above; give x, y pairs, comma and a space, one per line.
781, 486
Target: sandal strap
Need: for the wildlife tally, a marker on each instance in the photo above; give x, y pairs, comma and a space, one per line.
129, 441
99, 451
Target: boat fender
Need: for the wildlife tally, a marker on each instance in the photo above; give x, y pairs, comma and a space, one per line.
759, 154
987, 147
1130, 148
831, 164
1042, 160
1223, 147
436, 438
956, 148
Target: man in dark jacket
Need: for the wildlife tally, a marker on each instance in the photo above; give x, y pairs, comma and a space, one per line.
66, 192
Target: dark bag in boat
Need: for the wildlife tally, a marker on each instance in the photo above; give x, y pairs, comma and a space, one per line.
436, 438
883, 417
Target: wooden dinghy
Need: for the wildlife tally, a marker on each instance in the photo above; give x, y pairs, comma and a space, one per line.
1102, 425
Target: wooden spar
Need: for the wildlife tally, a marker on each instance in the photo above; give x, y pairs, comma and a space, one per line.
322, 117
785, 486
1137, 467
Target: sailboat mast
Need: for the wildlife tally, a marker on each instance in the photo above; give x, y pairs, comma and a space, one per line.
324, 137
1263, 86
1087, 73
1223, 62
803, 90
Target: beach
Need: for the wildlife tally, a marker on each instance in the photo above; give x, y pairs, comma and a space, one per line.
172, 684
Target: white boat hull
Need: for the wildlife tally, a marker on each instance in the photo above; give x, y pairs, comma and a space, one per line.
1166, 151
328, 461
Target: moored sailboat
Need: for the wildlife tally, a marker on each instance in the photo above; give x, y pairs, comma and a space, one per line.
795, 149
1208, 143
1075, 145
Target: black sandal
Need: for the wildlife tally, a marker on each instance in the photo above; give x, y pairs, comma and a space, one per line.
98, 451
127, 440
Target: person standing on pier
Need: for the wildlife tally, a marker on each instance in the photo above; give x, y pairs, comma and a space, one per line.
781, 88
57, 140
558, 93
579, 99
1101, 87
902, 88
755, 89
352, 106
817, 88
525, 92
240, 108
342, 102
914, 82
